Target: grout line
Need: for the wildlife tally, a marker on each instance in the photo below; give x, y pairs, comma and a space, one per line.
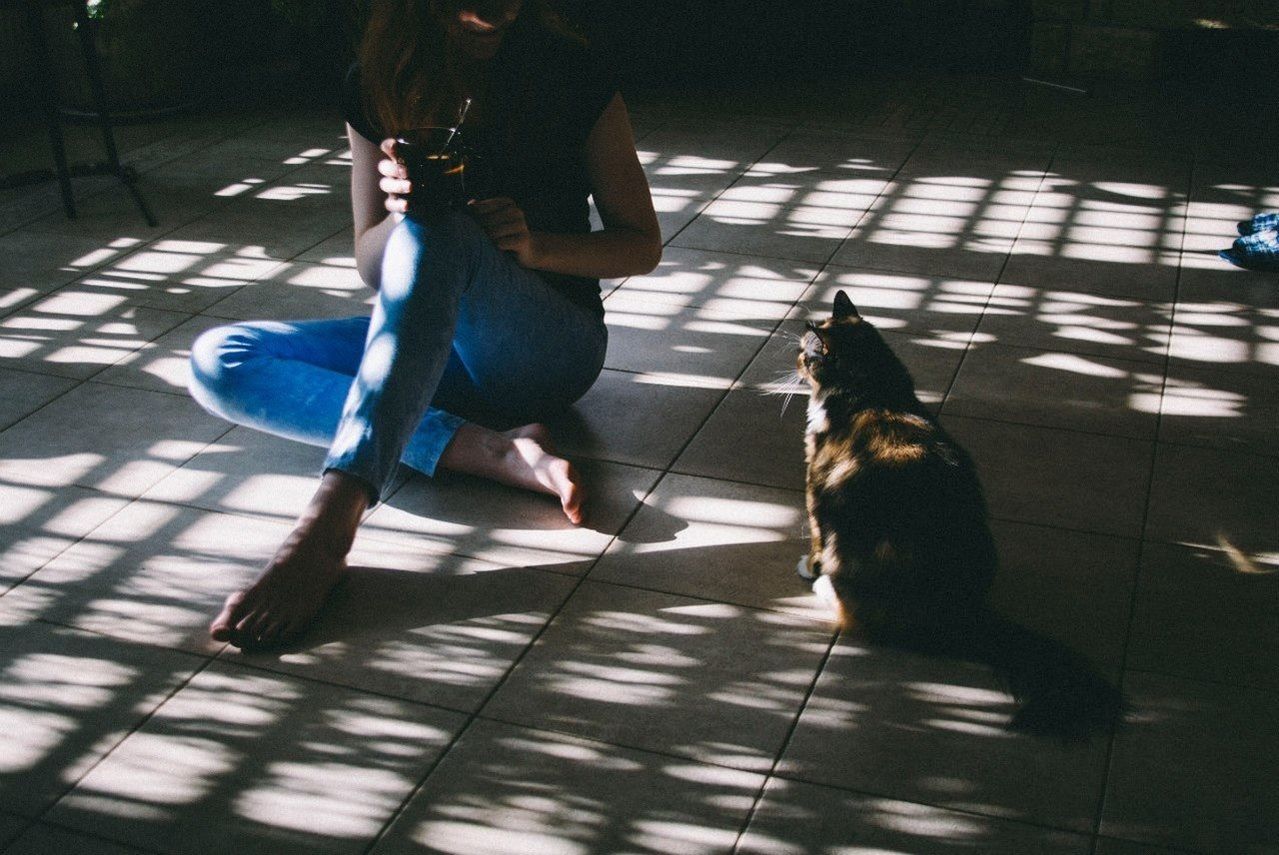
515, 663
1108, 767
92, 835
182, 684
786, 741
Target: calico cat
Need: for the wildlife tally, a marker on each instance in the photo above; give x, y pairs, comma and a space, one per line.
899, 531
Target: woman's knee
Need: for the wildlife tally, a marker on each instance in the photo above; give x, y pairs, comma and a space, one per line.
218, 361
439, 248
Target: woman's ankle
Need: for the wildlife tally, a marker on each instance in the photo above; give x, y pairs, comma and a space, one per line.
334, 512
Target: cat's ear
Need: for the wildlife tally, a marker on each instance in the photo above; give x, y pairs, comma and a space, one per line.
844, 307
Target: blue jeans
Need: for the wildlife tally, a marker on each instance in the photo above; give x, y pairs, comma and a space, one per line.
459, 332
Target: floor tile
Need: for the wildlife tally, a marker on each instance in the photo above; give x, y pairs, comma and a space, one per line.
1098, 242
1071, 586
1057, 389
666, 673
179, 275
922, 306
163, 365
39, 523
337, 250
1202, 496
506, 790
1059, 478
1224, 409
153, 573
797, 818
813, 149
258, 763
753, 437
66, 699
49, 840
638, 419
1195, 768
924, 225
1112, 846
1077, 323
10, 827
314, 204
246, 472
931, 730
22, 393
121, 441
1139, 277
712, 145
732, 543
111, 215
436, 629
722, 280
1135, 174
1206, 279
873, 247
1225, 334
804, 233
297, 291
709, 344
830, 190
455, 513
1197, 616
37, 263
78, 331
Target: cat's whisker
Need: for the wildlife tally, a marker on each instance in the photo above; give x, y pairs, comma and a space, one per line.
788, 384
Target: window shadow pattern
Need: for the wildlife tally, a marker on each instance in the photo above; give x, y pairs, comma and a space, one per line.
488, 679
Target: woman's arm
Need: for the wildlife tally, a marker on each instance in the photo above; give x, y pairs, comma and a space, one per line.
630, 242
369, 208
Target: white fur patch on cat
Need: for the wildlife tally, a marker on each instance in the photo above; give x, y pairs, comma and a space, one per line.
825, 591
817, 420
804, 569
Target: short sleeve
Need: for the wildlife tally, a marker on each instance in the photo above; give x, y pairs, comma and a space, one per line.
597, 85
353, 107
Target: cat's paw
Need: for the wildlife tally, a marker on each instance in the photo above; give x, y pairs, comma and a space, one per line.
807, 570
825, 591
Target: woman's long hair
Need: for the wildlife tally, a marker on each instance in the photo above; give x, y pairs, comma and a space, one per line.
404, 70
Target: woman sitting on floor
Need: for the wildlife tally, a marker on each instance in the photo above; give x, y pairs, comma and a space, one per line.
488, 314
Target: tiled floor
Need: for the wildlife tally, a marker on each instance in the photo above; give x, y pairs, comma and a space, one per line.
491, 680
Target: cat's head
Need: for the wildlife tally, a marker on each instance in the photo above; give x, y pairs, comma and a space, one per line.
846, 353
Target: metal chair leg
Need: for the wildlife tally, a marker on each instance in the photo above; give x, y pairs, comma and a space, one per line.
40, 45
126, 173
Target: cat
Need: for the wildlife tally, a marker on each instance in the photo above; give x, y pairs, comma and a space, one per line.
900, 536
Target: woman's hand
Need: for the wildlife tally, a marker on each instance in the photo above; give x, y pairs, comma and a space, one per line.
504, 223
395, 180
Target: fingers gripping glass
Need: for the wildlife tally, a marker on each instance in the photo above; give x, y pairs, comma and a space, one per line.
436, 160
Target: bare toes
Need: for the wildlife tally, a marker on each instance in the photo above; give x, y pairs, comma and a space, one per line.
223, 625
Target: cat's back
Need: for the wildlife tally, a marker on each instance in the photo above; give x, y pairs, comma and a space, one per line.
893, 456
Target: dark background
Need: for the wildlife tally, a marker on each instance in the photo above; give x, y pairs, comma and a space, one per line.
223, 48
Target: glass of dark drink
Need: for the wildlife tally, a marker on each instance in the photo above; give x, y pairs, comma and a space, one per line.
435, 159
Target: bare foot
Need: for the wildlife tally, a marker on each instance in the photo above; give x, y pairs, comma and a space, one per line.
293, 587
524, 457
285, 598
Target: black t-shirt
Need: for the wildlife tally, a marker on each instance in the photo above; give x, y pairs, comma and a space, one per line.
547, 93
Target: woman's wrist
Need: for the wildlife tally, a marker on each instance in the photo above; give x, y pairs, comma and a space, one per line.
536, 251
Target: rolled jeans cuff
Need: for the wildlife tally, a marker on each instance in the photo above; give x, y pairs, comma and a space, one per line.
362, 460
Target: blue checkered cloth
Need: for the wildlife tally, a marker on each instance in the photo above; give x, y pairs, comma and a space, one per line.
1257, 251
1268, 221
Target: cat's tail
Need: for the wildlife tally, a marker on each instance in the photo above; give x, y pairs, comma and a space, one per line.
1060, 694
